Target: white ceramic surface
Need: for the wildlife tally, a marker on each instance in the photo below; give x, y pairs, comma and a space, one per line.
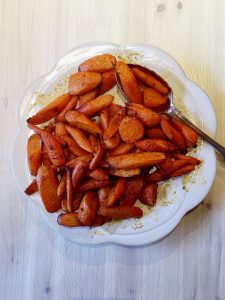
175, 197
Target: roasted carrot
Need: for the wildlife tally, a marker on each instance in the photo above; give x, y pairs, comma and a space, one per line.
131, 130
70, 105
147, 116
48, 183
93, 106
129, 82
148, 194
99, 63
82, 122
34, 153
114, 124
53, 147
79, 137
98, 174
150, 80
155, 145
50, 111
88, 208
133, 188
119, 213
78, 174
32, 188
69, 219
83, 82
135, 160
116, 191
108, 81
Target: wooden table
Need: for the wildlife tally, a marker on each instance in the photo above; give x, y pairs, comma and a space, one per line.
37, 264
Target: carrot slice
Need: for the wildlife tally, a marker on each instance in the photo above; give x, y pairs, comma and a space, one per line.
173, 134
32, 188
116, 191
153, 99
79, 137
53, 147
83, 82
150, 80
50, 111
34, 153
135, 160
147, 116
108, 81
70, 105
148, 194
69, 219
155, 145
82, 122
129, 82
131, 130
88, 208
114, 124
93, 106
99, 63
119, 213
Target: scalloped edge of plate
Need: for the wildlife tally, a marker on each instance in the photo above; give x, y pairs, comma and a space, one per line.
209, 122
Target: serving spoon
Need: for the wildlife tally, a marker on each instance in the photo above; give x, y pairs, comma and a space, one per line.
171, 110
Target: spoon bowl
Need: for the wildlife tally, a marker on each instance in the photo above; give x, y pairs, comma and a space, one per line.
170, 109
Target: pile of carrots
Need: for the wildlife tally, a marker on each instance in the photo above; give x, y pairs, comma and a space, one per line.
95, 158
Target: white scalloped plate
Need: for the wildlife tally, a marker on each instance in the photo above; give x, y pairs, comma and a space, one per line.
176, 197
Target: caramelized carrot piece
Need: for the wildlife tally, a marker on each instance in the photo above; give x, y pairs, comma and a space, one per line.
114, 124
99, 63
116, 191
50, 111
108, 81
32, 188
69, 219
156, 133
92, 184
83, 82
34, 153
93, 106
129, 82
79, 137
173, 134
155, 145
123, 148
69, 192
153, 99
135, 160
82, 122
147, 116
103, 194
182, 171
61, 190
132, 191
70, 105
189, 135
78, 174
150, 80
53, 147
97, 157
119, 213
131, 130
87, 97
98, 174
88, 208
148, 194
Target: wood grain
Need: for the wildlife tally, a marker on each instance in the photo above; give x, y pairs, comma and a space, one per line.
37, 264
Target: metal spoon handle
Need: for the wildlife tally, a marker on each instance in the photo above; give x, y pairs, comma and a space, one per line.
178, 114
